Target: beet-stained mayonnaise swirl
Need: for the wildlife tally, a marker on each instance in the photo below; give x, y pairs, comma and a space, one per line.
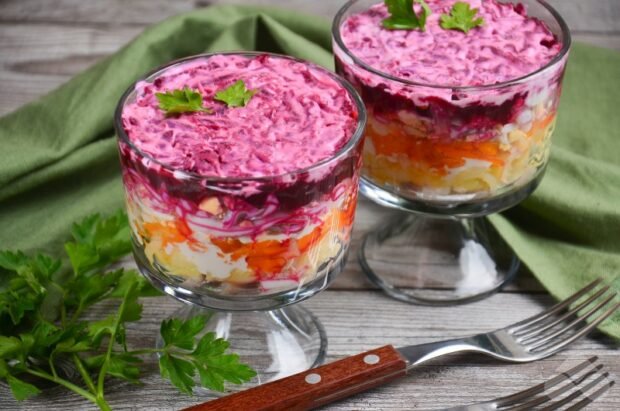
299, 116
508, 45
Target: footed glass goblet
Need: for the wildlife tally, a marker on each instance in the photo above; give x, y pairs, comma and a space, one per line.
446, 155
242, 250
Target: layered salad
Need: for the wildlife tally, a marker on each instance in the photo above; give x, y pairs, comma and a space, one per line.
241, 172
461, 95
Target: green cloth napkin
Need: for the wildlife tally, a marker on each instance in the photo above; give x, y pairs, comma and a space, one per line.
59, 160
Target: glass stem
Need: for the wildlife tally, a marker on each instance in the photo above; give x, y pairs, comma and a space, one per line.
468, 226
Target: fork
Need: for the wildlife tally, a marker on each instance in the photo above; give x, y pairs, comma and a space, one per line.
528, 399
532, 339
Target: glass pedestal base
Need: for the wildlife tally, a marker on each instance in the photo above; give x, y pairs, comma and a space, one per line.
275, 343
436, 261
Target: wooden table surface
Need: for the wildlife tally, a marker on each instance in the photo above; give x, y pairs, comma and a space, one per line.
44, 43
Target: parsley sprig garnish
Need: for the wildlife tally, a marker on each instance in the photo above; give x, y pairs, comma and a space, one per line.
461, 17
42, 324
183, 356
236, 95
181, 101
189, 101
403, 17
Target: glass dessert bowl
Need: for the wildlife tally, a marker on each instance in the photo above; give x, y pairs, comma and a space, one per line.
242, 210
459, 127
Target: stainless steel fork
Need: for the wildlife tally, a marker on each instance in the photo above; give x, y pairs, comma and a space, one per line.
535, 338
532, 339
581, 385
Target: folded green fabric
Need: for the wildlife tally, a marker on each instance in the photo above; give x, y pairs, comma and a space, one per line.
59, 160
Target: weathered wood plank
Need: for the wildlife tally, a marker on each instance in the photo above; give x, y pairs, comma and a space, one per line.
23, 42
606, 40
590, 15
106, 12
357, 321
34, 59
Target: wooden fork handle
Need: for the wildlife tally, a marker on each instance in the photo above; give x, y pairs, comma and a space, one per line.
318, 386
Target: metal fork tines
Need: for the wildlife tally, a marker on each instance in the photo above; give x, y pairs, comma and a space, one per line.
535, 338
574, 389
567, 321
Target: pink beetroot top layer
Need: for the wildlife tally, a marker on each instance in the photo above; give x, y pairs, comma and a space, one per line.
507, 46
299, 116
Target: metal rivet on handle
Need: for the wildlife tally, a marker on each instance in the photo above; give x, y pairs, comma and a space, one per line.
313, 378
371, 359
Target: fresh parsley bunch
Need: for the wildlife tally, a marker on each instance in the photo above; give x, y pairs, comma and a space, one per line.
41, 321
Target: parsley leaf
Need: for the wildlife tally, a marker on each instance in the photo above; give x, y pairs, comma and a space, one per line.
215, 367
86, 290
461, 17
181, 101
8, 345
178, 371
4, 369
13, 260
122, 365
21, 390
183, 355
34, 271
182, 333
125, 367
403, 17
236, 95
28, 285
114, 325
98, 242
